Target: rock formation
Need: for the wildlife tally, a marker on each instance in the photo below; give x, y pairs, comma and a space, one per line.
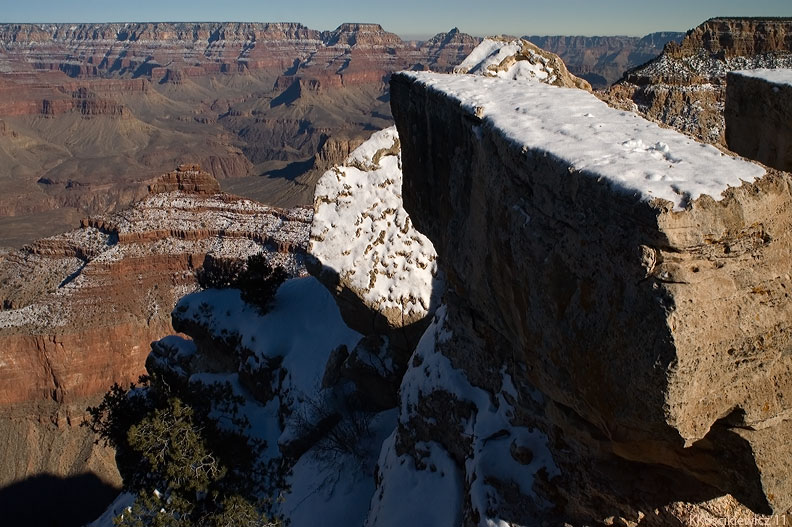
608, 345
519, 60
759, 116
79, 310
685, 86
186, 178
633, 311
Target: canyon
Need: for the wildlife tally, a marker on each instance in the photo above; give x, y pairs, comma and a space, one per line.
603, 60
91, 112
609, 345
576, 357
81, 309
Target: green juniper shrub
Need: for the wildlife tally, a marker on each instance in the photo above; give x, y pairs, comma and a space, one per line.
184, 468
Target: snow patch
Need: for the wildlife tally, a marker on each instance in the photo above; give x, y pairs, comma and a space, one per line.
411, 496
501, 58
494, 439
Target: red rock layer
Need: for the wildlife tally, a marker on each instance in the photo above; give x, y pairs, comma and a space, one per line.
79, 310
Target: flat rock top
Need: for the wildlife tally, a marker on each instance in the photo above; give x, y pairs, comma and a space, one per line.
635, 155
774, 76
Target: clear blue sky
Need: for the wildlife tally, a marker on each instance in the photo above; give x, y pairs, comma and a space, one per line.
412, 17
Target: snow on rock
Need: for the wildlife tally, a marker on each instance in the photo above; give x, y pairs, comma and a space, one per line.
781, 76
634, 155
362, 233
425, 474
412, 496
336, 490
302, 328
518, 59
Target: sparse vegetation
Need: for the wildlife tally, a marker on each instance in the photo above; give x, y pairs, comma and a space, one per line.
256, 278
184, 468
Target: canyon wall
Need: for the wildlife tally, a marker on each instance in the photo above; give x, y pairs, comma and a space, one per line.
80, 310
92, 111
685, 86
603, 60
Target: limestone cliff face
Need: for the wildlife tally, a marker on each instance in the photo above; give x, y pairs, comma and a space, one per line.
685, 86
79, 310
640, 339
759, 116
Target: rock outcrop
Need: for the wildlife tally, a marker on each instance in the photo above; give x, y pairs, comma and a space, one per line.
79, 310
624, 286
519, 60
685, 86
382, 272
759, 116
186, 178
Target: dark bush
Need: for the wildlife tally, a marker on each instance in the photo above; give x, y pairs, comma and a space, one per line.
256, 279
184, 469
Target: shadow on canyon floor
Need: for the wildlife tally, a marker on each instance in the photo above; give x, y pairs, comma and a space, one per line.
53, 501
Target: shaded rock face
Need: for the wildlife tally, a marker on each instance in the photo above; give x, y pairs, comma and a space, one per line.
79, 310
759, 118
647, 335
685, 86
603, 60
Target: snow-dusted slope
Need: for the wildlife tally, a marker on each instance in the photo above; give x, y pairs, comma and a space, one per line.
424, 483
361, 232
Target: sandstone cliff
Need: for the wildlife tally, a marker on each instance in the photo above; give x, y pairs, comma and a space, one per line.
685, 86
635, 325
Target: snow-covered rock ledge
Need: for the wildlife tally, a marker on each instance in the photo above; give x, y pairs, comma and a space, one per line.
641, 278
364, 248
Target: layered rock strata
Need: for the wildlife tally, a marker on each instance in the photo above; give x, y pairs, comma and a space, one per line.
685, 86
759, 116
105, 106
634, 281
81, 309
